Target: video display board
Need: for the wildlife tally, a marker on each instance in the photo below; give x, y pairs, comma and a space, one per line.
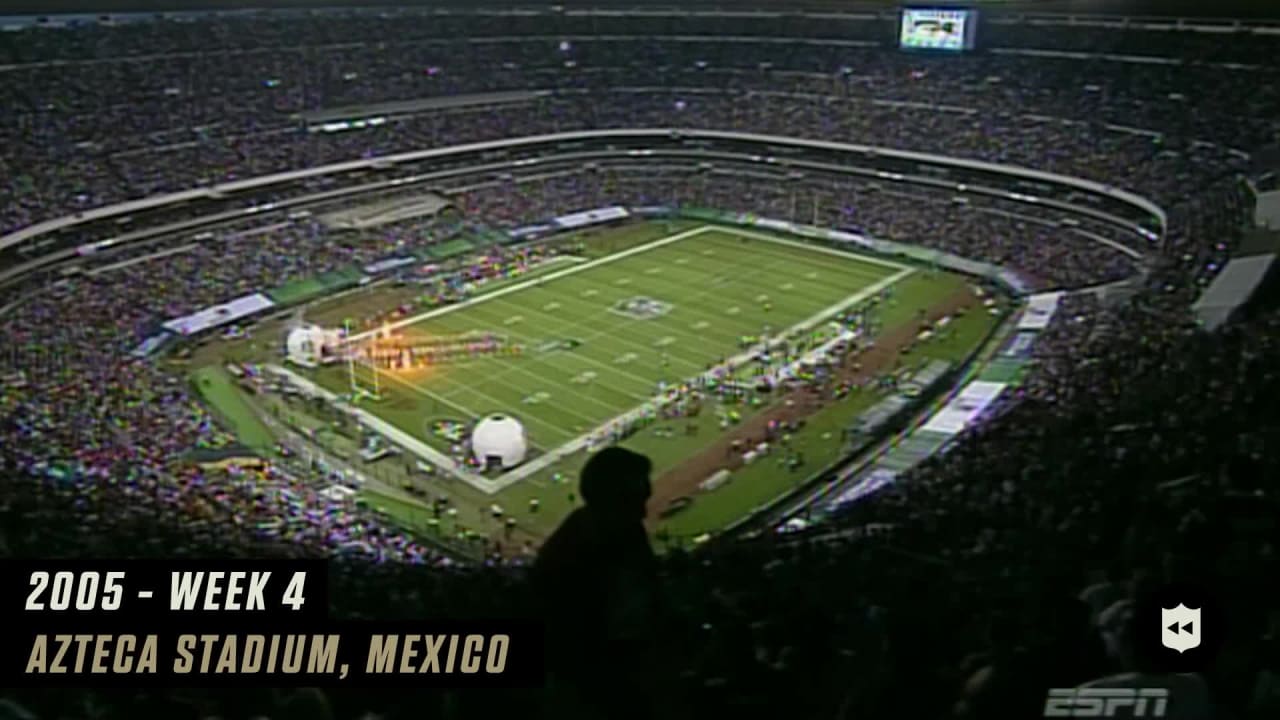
951, 29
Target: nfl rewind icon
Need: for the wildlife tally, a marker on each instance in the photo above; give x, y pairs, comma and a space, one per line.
1180, 628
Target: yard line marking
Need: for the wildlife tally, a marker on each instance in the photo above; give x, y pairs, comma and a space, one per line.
569, 325
427, 393
614, 339
398, 436
502, 292
613, 330
628, 342
570, 389
641, 381
661, 242
697, 310
498, 404
718, 315
556, 454
663, 342
854, 273
526, 368
693, 308
490, 486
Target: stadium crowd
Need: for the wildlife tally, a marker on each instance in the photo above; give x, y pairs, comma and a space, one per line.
72, 343
1134, 453
993, 231
91, 132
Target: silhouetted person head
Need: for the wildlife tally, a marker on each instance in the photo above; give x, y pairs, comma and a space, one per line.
596, 580
615, 482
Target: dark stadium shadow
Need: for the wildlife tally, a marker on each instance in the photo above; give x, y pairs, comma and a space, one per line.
595, 580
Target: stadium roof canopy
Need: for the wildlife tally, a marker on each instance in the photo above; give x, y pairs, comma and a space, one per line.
1242, 277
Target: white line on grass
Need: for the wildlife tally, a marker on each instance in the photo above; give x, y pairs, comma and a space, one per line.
522, 367
497, 402
808, 323
378, 425
687, 305
422, 391
646, 382
546, 460
620, 340
663, 242
694, 308
576, 443
548, 360
524, 364
855, 275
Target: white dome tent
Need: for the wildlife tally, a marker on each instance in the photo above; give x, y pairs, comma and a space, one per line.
305, 344
499, 441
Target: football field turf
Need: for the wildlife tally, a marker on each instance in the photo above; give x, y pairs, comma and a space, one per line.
644, 303
600, 335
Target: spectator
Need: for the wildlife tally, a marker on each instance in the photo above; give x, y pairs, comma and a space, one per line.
596, 581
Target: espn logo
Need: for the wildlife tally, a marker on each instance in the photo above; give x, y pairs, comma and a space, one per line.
1105, 702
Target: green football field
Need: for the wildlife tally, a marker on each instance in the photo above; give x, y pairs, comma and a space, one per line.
644, 304
599, 336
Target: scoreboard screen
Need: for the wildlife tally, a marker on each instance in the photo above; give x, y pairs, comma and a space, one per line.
937, 29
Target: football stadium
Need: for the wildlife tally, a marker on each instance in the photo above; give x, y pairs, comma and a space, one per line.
839, 360
695, 343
